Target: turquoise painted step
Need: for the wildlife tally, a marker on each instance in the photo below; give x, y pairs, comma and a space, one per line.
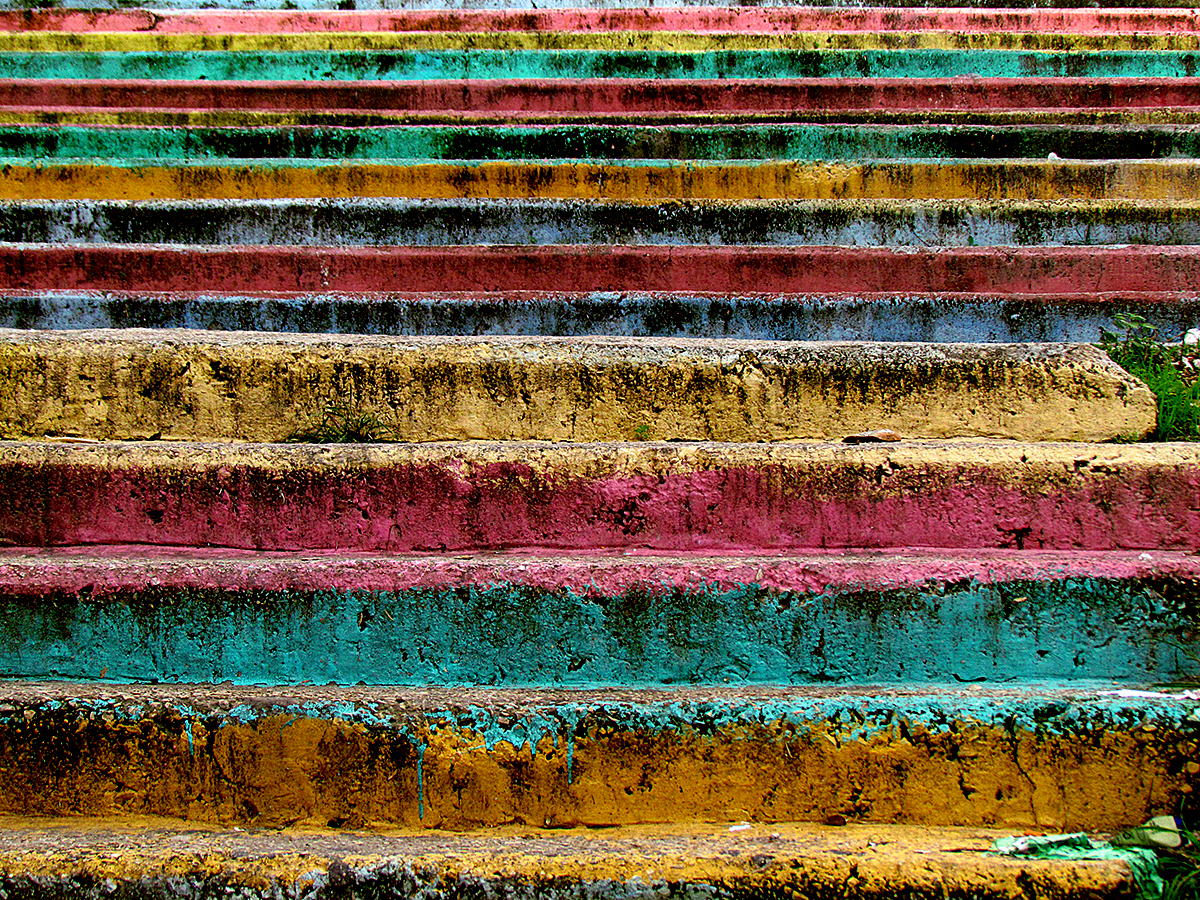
532, 64
603, 142
520, 635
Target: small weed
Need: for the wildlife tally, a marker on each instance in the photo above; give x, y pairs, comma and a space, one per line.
344, 423
1180, 868
641, 432
1171, 372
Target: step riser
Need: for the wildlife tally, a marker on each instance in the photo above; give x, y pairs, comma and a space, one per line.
614, 95
1108, 46
505, 634
648, 180
116, 116
246, 387
715, 142
1018, 761
947, 318
671, 497
698, 19
345, 223
717, 269
584, 64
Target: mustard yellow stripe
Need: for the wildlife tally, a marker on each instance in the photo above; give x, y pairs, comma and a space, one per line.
650, 41
1139, 180
241, 118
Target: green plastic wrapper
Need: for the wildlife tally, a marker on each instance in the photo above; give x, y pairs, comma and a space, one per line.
1143, 862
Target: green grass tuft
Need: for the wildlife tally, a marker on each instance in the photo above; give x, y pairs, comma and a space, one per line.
343, 423
1171, 372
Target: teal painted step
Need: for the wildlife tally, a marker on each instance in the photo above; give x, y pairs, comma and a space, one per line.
533, 64
519, 635
604, 142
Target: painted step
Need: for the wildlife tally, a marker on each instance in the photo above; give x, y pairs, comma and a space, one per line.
120, 116
702, 19
400, 221
404, 65
737, 270
608, 142
971, 318
625, 42
457, 758
645, 180
66, 856
128, 614
670, 497
623, 96
246, 386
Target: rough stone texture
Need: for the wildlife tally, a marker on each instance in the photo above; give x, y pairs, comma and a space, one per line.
626, 41
121, 614
738, 270
770, 20
906, 317
389, 221
477, 495
1017, 758
624, 96
1155, 179
152, 859
131, 385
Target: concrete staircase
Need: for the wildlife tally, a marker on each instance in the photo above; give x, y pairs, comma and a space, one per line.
733, 505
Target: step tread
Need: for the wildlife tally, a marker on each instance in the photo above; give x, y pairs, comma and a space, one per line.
863, 860
126, 567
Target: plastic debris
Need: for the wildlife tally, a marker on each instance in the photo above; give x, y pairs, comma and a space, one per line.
1159, 832
1143, 862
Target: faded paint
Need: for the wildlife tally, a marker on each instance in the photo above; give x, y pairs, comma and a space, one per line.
753, 20
391, 221
715, 497
642, 180
404, 65
939, 317
621, 96
507, 634
221, 386
153, 858
720, 270
625, 41
612, 142
1010, 757
347, 118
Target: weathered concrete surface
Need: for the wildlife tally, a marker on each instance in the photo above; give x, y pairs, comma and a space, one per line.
972, 318
402, 221
573, 268
154, 858
1013, 758
246, 386
715, 497
117, 116
607, 142
403, 65
753, 20
626, 41
624, 96
645, 180
118, 614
